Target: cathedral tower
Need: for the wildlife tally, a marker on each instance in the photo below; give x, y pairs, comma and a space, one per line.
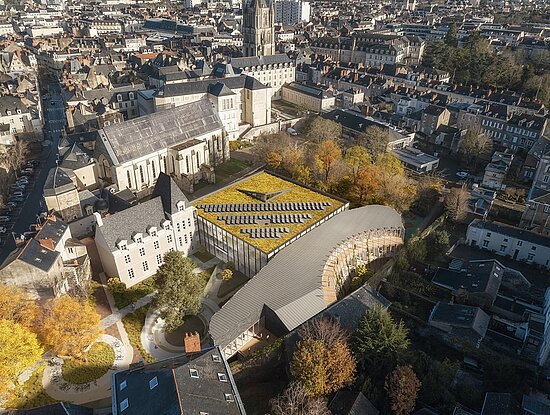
258, 28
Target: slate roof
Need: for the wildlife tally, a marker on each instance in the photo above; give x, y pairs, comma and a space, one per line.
61, 408
11, 103
277, 286
198, 87
260, 60
461, 316
533, 406
498, 404
58, 181
169, 192
219, 89
177, 393
351, 403
145, 135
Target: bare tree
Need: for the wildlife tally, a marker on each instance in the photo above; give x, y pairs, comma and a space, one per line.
325, 329
16, 155
474, 145
456, 203
376, 140
295, 401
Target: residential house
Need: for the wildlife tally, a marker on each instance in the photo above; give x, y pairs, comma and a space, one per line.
432, 117
310, 97
496, 170
536, 216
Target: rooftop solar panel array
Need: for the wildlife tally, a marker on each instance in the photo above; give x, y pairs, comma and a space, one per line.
264, 207
265, 233
272, 218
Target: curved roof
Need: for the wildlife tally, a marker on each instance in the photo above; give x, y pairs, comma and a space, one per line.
291, 283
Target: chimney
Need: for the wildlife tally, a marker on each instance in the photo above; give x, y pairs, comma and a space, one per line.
47, 243
192, 343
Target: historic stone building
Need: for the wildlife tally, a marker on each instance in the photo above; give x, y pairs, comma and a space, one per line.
258, 28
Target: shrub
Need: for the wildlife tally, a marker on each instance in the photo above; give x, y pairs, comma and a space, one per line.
133, 323
227, 274
91, 366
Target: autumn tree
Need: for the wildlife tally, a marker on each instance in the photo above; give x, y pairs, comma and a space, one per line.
357, 158
69, 326
456, 203
273, 160
292, 159
17, 306
428, 192
395, 188
181, 289
375, 139
295, 400
378, 341
367, 183
326, 155
19, 349
321, 129
402, 387
325, 329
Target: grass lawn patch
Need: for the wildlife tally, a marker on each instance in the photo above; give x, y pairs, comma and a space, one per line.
31, 394
227, 287
91, 366
229, 168
125, 296
133, 323
191, 324
203, 255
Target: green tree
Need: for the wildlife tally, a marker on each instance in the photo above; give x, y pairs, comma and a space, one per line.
402, 387
438, 242
19, 349
357, 158
417, 250
451, 37
181, 289
378, 341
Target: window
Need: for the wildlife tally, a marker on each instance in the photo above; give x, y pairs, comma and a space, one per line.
229, 397
502, 248
488, 234
127, 259
530, 257
153, 383
131, 95
520, 243
178, 227
159, 259
485, 244
505, 239
131, 273
122, 385
180, 241
189, 221
129, 178
124, 405
185, 236
141, 175
119, 98
194, 373
216, 358
222, 377
533, 248
142, 251
169, 238
145, 266
156, 245
153, 169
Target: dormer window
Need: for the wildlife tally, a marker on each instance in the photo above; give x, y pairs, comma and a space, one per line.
119, 98
153, 231
181, 206
122, 245
131, 95
222, 377
194, 373
153, 383
138, 238
166, 225
229, 397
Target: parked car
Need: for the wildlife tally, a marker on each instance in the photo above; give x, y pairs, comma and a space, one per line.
292, 131
3, 229
11, 205
18, 193
462, 174
16, 199
23, 180
52, 102
4, 219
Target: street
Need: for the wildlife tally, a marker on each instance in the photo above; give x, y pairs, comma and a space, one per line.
54, 117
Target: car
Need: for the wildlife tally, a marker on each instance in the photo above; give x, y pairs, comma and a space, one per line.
29, 169
52, 102
34, 162
462, 174
18, 194
3, 229
11, 205
16, 199
4, 219
292, 131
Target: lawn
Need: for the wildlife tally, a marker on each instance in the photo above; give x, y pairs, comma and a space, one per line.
125, 296
133, 323
229, 168
192, 324
227, 287
203, 255
31, 394
91, 366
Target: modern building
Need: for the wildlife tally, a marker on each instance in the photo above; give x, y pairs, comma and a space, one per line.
289, 12
273, 71
185, 142
510, 241
250, 221
193, 384
306, 276
536, 216
50, 264
258, 28
132, 243
416, 160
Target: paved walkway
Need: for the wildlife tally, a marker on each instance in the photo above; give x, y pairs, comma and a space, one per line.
118, 315
59, 389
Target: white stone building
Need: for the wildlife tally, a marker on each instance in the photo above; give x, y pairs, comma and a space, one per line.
132, 243
292, 11
185, 142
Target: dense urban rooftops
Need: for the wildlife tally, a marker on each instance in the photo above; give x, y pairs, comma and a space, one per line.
265, 210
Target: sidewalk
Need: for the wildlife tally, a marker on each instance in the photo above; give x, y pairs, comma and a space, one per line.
118, 315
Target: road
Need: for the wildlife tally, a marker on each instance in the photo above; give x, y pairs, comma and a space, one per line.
55, 121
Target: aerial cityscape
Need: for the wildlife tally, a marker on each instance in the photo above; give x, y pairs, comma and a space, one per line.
275, 207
